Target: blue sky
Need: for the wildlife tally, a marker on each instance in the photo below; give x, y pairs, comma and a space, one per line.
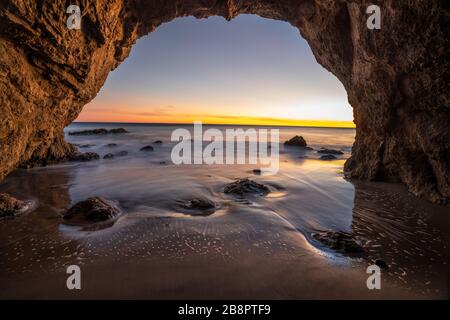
214, 69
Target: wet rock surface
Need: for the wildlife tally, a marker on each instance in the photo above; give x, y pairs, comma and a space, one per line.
111, 145
94, 209
97, 132
330, 151
147, 149
243, 187
10, 206
339, 241
83, 157
198, 206
108, 156
297, 141
118, 131
328, 157
158, 142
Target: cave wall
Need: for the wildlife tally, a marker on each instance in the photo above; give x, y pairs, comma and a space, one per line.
396, 78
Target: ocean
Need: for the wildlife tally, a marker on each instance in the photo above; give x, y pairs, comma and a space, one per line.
260, 247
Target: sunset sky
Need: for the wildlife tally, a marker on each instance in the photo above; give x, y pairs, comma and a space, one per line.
247, 71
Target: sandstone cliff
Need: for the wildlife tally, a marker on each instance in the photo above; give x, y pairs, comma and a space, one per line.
396, 77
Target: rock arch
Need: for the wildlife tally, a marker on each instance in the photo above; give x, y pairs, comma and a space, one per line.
395, 77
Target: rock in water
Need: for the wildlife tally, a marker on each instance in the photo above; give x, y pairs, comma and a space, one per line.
330, 151
10, 206
91, 210
122, 153
88, 132
118, 130
147, 148
246, 186
257, 171
111, 145
339, 241
297, 141
198, 207
118, 154
97, 132
158, 142
87, 156
328, 157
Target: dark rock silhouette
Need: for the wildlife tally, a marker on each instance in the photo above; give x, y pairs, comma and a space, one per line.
297, 141
147, 148
339, 241
246, 186
327, 157
87, 156
97, 132
330, 151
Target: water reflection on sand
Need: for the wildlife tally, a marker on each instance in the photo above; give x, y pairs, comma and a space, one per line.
261, 247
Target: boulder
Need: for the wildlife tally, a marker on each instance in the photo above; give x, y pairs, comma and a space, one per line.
147, 148
10, 206
198, 206
246, 186
339, 241
94, 209
330, 151
118, 131
297, 141
87, 156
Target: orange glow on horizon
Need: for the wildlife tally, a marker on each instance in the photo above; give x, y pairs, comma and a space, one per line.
213, 119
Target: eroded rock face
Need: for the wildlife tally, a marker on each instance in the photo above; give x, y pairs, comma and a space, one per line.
394, 77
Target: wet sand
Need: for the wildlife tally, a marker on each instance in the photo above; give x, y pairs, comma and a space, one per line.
261, 248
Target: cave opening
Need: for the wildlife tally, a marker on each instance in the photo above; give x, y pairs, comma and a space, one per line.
247, 71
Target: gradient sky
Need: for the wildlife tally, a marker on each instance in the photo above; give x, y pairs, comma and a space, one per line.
250, 70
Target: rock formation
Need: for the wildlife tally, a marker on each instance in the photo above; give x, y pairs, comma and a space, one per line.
94, 209
396, 78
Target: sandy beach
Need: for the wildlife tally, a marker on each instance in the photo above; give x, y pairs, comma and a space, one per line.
262, 247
